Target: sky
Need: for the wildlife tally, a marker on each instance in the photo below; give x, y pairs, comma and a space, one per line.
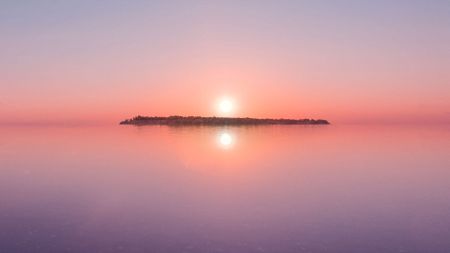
345, 61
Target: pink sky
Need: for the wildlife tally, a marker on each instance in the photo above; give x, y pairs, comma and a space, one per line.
355, 62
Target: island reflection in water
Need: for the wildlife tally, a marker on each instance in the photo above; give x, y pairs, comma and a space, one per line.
225, 189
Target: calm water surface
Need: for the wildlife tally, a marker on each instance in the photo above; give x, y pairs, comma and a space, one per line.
236, 189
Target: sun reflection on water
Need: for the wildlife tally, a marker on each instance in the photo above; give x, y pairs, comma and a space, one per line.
225, 140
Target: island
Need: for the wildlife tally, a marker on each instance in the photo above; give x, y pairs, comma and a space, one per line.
217, 121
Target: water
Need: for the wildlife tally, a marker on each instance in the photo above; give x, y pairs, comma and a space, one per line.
238, 189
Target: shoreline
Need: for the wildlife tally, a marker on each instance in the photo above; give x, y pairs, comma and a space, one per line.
198, 120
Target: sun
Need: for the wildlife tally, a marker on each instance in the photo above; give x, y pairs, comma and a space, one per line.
225, 106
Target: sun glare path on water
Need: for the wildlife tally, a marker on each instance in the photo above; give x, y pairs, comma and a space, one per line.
225, 140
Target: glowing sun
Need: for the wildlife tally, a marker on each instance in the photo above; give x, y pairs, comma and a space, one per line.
225, 106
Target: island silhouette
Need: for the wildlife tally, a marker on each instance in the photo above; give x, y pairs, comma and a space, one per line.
198, 120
